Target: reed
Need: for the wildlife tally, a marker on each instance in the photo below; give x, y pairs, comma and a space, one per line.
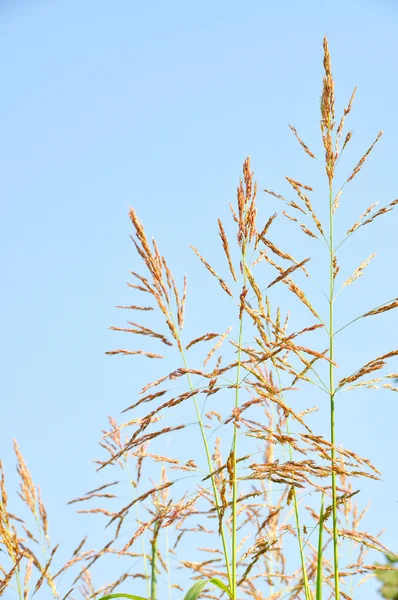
261, 460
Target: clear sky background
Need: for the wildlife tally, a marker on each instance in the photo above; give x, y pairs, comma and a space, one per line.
104, 105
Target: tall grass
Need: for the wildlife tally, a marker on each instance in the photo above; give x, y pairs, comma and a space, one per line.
260, 481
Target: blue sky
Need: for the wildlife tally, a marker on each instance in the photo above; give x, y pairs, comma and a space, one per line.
110, 104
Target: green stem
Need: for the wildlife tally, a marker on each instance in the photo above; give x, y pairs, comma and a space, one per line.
307, 589
168, 564
332, 400
144, 556
235, 483
208, 455
308, 595
235, 437
211, 469
320, 555
154, 578
18, 579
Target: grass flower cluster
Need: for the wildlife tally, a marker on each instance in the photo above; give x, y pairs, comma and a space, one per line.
273, 504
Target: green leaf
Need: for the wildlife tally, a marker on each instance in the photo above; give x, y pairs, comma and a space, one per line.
130, 596
198, 586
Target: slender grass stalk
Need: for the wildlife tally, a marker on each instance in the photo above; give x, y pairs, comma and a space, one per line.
207, 451
210, 467
18, 580
307, 589
234, 450
332, 398
320, 553
154, 558
308, 595
145, 559
144, 556
168, 565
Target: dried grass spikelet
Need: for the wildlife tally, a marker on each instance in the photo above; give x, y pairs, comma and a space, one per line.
370, 368
386, 307
285, 214
381, 211
43, 516
8, 535
346, 140
359, 271
289, 202
300, 141
132, 352
212, 271
225, 245
373, 365
262, 545
280, 252
151, 259
271, 193
340, 127
307, 231
336, 268
253, 284
301, 296
45, 574
298, 187
292, 286
8, 576
370, 384
181, 307
134, 307
288, 272
217, 345
163, 282
327, 113
247, 211
28, 491
264, 231
141, 330
359, 165
302, 374
336, 201
203, 338
361, 218
28, 573
340, 501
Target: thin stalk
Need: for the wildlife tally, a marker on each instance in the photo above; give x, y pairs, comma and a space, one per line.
332, 400
234, 483
168, 564
154, 557
362, 316
235, 436
127, 469
18, 578
208, 455
307, 589
320, 554
308, 595
210, 467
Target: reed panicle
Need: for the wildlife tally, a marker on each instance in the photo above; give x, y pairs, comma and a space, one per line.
248, 510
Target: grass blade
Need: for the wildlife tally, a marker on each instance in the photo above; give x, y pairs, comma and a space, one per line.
130, 596
198, 586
